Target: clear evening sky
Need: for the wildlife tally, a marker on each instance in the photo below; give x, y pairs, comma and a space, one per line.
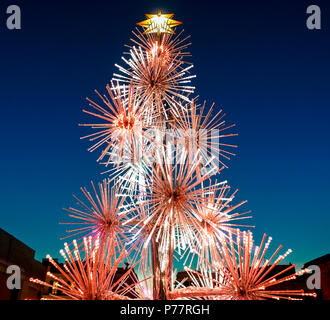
255, 59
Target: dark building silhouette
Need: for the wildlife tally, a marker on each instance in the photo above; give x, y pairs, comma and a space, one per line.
15, 252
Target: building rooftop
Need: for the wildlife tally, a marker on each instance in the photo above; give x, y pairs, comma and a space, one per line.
319, 260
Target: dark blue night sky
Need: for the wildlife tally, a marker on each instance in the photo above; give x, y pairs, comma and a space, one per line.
255, 59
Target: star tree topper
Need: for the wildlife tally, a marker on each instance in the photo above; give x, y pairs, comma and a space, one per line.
159, 23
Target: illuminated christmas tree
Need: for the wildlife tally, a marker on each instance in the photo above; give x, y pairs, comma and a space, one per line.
163, 200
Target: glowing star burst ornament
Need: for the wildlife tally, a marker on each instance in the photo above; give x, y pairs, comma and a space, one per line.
159, 78
159, 23
103, 216
197, 129
244, 273
123, 118
91, 276
170, 46
218, 220
173, 192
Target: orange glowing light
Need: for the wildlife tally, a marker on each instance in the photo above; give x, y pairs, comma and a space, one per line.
159, 23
